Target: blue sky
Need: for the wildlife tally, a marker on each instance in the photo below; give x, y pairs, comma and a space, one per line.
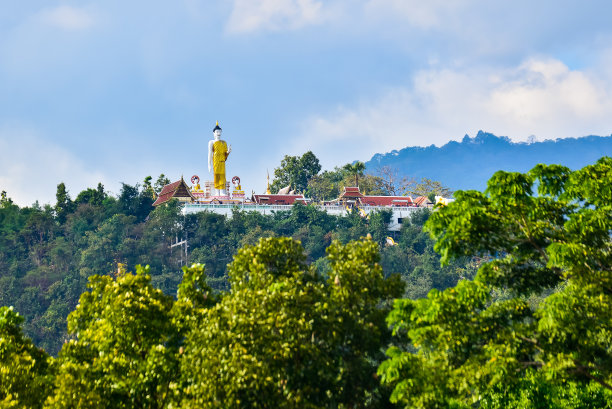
113, 91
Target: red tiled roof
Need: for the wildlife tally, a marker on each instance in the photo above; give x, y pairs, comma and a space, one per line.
277, 199
387, 201
351, 192
169, 191
421, 201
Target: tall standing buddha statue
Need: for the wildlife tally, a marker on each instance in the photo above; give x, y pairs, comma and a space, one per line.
218, 151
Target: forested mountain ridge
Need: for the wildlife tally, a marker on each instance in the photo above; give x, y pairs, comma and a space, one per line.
470, 163
48, 253
287, 328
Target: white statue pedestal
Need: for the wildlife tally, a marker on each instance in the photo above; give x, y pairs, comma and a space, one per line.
220, 198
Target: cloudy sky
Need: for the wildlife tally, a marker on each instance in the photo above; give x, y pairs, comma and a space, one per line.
112, 91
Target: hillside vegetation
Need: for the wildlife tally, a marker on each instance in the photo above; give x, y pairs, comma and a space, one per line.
519, 315
48, 253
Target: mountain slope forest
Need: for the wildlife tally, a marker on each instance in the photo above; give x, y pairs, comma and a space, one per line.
470, 163
48, 253
501, 299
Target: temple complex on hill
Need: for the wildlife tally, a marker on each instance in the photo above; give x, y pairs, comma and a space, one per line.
215, 195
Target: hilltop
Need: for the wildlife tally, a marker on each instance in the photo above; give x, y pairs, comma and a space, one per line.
470, 163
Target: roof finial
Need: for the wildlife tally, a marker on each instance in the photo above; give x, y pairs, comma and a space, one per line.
268, 188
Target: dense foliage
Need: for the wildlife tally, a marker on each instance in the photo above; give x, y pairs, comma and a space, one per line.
295, 171
309, 303
48, 253
538, 314
284, 336
25, 370
310, 342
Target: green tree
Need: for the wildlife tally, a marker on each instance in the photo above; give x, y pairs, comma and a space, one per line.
114, 241
161, 181
295, 171
147, 187
91, 196
360, 298
25, 371
64, 204
356, 169
427, 187
250, 356
38, 231
124, 349
135, 202
534, 391
5, 201
543, 234
324, 186
328, 185
194, 298
309, 343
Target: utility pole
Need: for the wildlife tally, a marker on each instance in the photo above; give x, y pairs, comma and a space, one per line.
184, 248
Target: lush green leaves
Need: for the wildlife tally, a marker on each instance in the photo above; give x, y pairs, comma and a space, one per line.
545, 233
284, 337
25, 371
295, 172
121, 355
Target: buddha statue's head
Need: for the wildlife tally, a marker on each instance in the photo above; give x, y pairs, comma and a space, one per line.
217, 131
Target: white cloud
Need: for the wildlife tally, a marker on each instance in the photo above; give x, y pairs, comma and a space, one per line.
67, 18
31, 167
547, 92
273, 15
541, 97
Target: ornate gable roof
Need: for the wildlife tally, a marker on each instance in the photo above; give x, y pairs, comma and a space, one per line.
351, 192
421, 201
178, 189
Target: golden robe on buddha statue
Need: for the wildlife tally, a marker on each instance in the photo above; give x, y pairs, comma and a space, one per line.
219, 156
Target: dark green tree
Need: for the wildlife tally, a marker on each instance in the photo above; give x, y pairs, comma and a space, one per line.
356, 169
5, 201
535, 391
543, 234
64, 204
135, 202
325, 186
295, 171
147, 187
114, 241
161, 181
91, 196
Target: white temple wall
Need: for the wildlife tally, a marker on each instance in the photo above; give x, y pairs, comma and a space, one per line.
399, 213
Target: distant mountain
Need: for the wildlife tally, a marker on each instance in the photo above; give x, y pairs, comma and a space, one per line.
470, 163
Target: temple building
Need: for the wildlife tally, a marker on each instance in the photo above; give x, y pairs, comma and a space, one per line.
288, 199
352, 196
177, 190
215, 195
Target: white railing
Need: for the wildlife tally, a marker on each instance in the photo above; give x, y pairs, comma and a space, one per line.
263, 207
